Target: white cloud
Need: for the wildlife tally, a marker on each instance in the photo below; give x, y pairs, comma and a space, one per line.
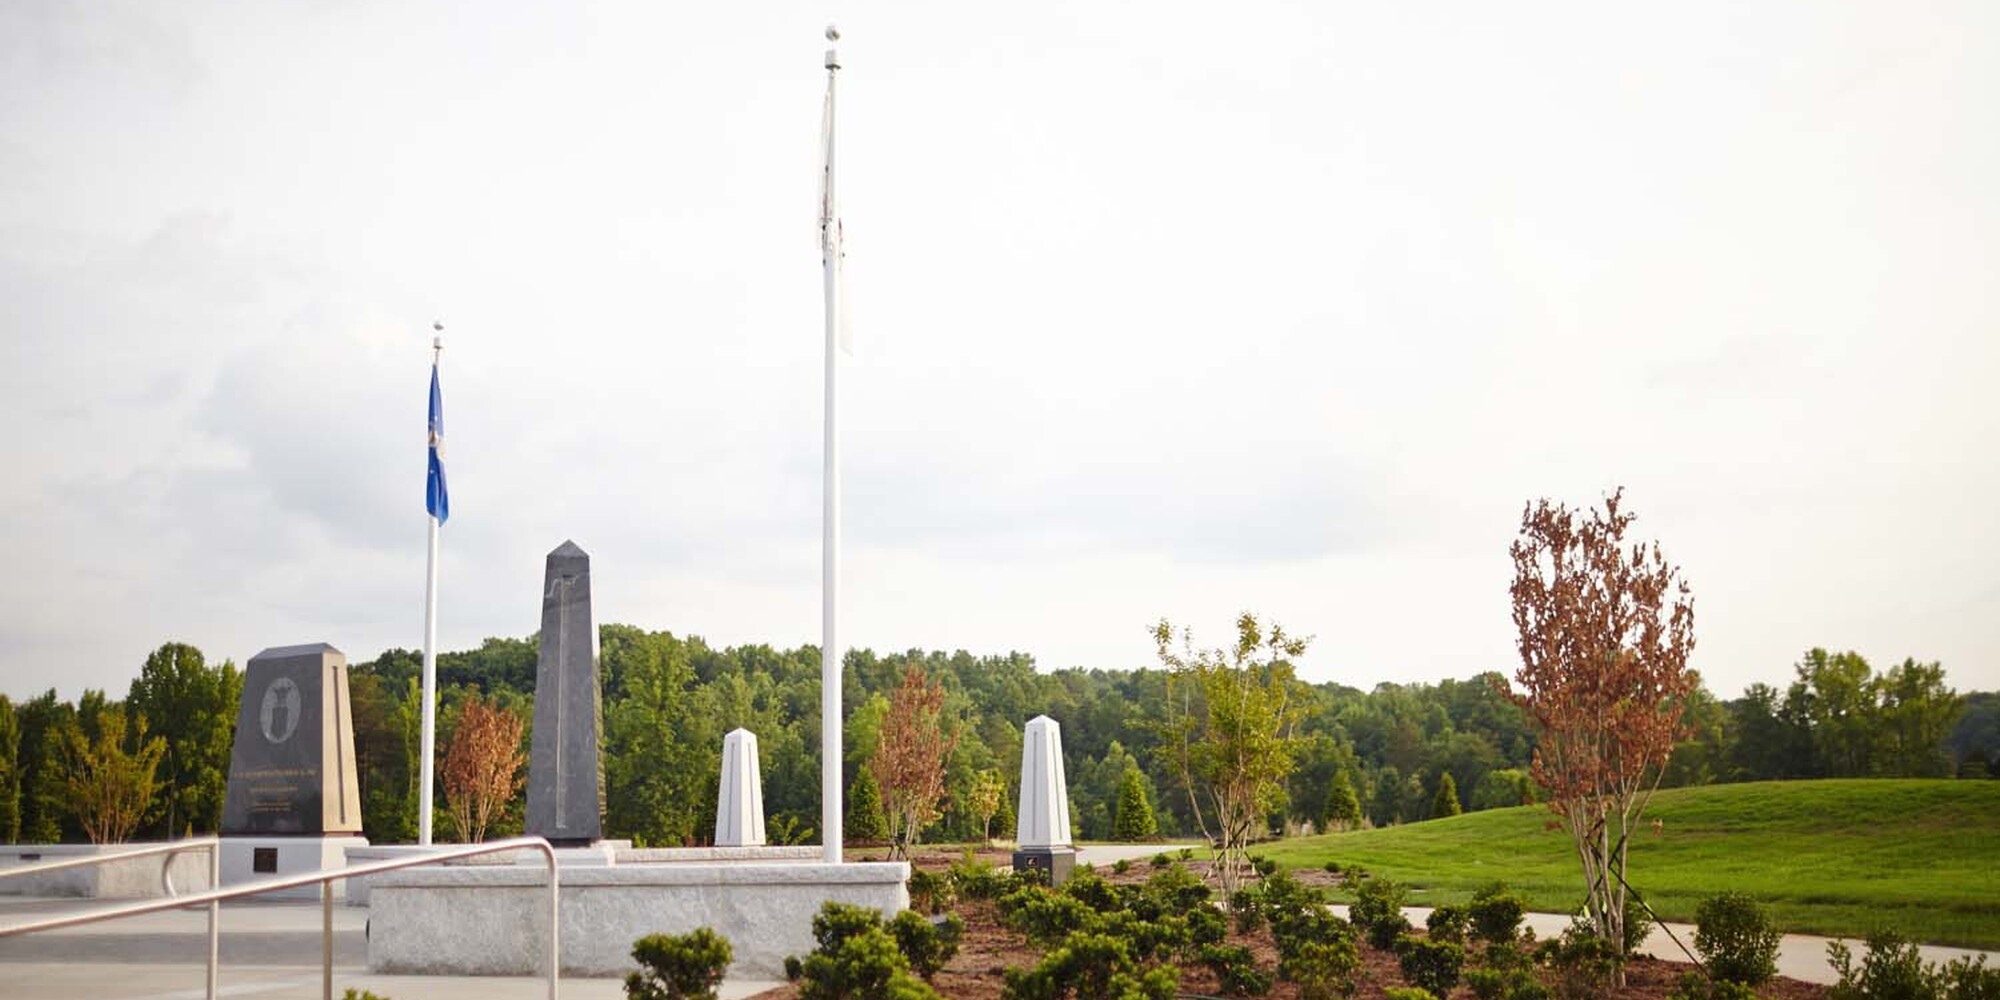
1161, 313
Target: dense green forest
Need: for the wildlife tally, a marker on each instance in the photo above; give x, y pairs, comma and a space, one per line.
668, 701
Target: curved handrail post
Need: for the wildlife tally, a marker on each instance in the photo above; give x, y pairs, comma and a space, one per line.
214, 920
555, 919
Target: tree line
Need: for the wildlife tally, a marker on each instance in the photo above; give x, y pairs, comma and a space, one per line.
155, 764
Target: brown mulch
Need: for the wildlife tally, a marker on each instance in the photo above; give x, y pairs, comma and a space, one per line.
988, 948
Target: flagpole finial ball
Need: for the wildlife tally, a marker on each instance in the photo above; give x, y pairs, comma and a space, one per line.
832, 33
437, 327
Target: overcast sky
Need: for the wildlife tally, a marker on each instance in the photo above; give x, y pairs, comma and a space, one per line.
1160, 311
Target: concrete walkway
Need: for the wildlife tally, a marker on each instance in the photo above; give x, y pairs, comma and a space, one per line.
269, 950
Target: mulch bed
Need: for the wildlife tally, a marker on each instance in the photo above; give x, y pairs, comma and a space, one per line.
989, 947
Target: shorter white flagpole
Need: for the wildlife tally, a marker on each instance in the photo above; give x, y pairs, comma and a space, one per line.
429, 750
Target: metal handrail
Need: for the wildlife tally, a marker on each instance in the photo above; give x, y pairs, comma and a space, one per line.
169, 848
214, 897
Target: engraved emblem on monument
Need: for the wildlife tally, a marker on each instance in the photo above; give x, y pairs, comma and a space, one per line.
281, 710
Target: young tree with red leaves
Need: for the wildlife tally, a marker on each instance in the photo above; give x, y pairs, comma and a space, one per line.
909, 759
482, 766
1604, 635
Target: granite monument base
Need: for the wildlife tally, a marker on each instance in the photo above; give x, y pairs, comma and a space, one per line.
492, 920
1056, 862
250, 859
357, 888
132, 878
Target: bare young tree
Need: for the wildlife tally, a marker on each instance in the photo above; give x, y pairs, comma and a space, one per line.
1605, 630
909, 760
482, 766
1228, 734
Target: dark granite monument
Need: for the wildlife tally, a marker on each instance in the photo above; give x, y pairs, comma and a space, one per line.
565, 773
291, 771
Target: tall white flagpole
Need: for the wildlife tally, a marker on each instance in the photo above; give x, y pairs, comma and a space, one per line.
829, 650
429, 750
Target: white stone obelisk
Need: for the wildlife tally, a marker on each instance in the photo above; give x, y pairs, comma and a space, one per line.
1042, 817
739, 807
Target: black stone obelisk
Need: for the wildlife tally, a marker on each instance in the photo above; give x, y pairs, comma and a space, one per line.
565, 773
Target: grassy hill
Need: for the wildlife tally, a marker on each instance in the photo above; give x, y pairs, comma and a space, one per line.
1828, 857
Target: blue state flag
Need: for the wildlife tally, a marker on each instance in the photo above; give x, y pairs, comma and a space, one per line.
436, 500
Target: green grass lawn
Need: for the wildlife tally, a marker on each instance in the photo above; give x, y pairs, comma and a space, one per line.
1838, 857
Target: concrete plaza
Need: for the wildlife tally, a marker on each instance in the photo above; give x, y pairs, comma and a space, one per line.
269, 950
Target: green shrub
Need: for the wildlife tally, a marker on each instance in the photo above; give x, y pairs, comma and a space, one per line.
1293, 931
1090, 889
1248, 911
1161, 860
1090, 967
1186, 854
927, 945
677, 966
1206, 926
1448, 923
1582, 964
1045, 918
932, 892
1638, 924
1160, 937
1695, 986
1332, 867
1513, 983
1378, 910
977, 880
1236, 969
1487, 984
1408, 993
1121, 866
354, 994
1970, 979
1323, 968
1892, 969
1496, 914
1264, 866
1433, 965
856, 959
1178, 889
1736, 939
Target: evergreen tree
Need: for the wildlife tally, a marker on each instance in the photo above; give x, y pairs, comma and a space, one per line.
45, 724
1343, 806
10, 773
1005, 825
1386, 805
865, 822
1446, 803
1135, 809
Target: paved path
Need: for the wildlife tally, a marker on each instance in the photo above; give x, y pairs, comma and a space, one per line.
269, 950
1800, 956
